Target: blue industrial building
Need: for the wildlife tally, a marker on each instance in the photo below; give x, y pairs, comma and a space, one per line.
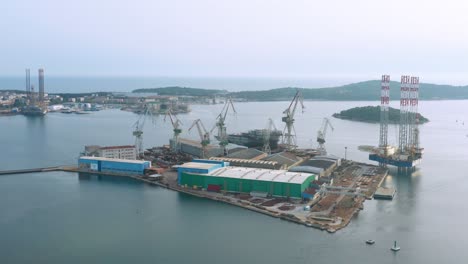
200, 166
99, 164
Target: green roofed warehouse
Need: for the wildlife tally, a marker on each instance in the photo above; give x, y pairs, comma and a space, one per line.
244, 180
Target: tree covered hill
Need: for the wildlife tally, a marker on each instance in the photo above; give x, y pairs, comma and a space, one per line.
368, 90
371, 114
362, 91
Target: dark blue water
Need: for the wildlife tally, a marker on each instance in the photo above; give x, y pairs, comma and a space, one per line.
63, 218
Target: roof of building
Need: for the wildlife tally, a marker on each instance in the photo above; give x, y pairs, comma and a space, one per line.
118, 147
331, 157
250, 161
308, 169
114, 160
248, 153
261, 174
197, 165
284, 158
318, 163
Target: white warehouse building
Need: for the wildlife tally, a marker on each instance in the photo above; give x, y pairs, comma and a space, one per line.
127, 152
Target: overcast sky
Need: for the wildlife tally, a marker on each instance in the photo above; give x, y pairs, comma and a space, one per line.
249, 38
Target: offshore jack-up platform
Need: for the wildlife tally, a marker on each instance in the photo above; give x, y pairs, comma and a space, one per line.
408, 154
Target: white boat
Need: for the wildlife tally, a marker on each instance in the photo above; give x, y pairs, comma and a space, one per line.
370, 241
395, 247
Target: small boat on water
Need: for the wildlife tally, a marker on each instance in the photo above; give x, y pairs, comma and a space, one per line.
395, 247
370, 242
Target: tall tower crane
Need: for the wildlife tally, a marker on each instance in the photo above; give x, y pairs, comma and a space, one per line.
221, 125
175, 127
204, 135
289, 133
138, 131
321, 134
266, 135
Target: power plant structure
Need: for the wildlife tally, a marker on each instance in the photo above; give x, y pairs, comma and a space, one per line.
408, 154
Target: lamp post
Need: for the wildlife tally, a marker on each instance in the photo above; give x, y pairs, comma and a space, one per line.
345, 152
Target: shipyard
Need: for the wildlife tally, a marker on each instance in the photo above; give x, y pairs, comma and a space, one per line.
263, 169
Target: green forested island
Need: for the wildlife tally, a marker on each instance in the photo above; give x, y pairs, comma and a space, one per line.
362, 91
371, 114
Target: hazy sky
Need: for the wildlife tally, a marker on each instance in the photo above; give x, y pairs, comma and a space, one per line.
236, 38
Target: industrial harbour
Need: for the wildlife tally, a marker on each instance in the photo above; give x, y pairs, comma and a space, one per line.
148, 211
305, 186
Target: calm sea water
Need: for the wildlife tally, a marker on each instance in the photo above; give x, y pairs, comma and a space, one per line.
63, 218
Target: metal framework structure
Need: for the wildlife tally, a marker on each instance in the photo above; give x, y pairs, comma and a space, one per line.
409, 153
28, 82
384, 108
413, 114
176, 123
221, 125
204, 135
138, 132
321, 134
289, 132
41, 87
409, 131
404, 116
266, 136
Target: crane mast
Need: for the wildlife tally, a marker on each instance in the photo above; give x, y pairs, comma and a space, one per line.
138, 131
176, 128
321, 134
204, 135
289, 132
221, 125
266, 136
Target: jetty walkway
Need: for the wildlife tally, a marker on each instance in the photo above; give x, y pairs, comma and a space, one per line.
34, 170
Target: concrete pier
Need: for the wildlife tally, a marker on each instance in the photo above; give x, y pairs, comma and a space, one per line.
35, 170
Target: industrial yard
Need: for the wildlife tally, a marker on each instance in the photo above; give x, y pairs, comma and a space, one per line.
252, 170
330, 208
262, 170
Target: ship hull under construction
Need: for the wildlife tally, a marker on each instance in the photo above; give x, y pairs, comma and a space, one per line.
254, 139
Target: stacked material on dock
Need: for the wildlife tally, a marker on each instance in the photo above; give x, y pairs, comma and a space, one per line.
384, 193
